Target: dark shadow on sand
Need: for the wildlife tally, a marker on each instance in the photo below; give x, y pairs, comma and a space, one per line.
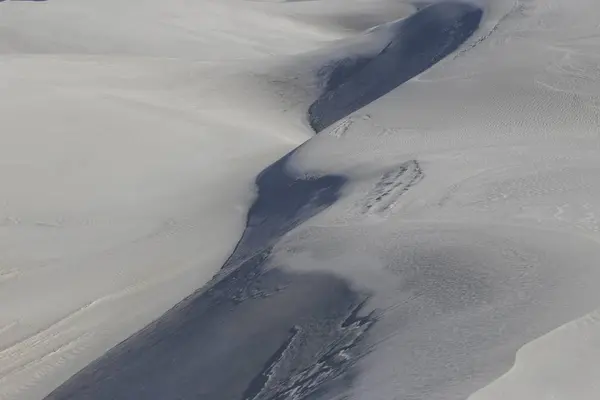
284, 201
218, 345
418, 43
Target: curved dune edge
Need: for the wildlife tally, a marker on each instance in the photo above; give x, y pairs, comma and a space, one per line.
544, 368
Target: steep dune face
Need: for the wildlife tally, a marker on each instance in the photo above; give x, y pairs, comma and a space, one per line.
444, 217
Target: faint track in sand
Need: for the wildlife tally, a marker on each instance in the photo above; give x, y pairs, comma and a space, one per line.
391, 186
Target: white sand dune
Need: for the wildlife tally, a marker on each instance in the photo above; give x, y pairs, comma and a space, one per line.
132, 133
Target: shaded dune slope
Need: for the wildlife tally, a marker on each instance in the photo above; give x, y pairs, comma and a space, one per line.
418, 43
